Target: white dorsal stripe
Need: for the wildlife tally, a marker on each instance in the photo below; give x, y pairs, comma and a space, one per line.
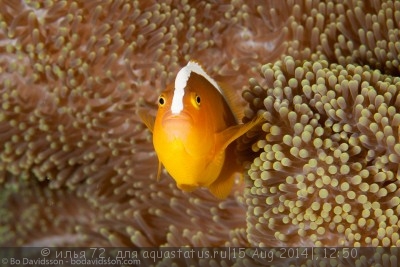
181, 81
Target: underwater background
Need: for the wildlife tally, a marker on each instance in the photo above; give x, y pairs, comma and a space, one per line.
77, 166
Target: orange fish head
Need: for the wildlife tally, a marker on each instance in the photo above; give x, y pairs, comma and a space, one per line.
187, 124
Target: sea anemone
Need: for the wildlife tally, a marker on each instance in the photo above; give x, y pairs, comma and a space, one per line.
327, 168
76, 163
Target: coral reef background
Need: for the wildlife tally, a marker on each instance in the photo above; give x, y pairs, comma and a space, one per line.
77, 167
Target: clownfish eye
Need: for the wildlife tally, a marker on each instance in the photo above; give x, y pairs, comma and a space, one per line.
161, 100
195, 100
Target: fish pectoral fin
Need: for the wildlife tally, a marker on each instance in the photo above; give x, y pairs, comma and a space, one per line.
222, 186
147, 119
159, 170
227, 136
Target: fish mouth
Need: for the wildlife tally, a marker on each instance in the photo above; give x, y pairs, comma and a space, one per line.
182, 117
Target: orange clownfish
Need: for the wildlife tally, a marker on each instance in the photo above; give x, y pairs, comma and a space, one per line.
195, 130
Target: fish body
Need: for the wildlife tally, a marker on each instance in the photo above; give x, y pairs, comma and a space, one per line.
195, 130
